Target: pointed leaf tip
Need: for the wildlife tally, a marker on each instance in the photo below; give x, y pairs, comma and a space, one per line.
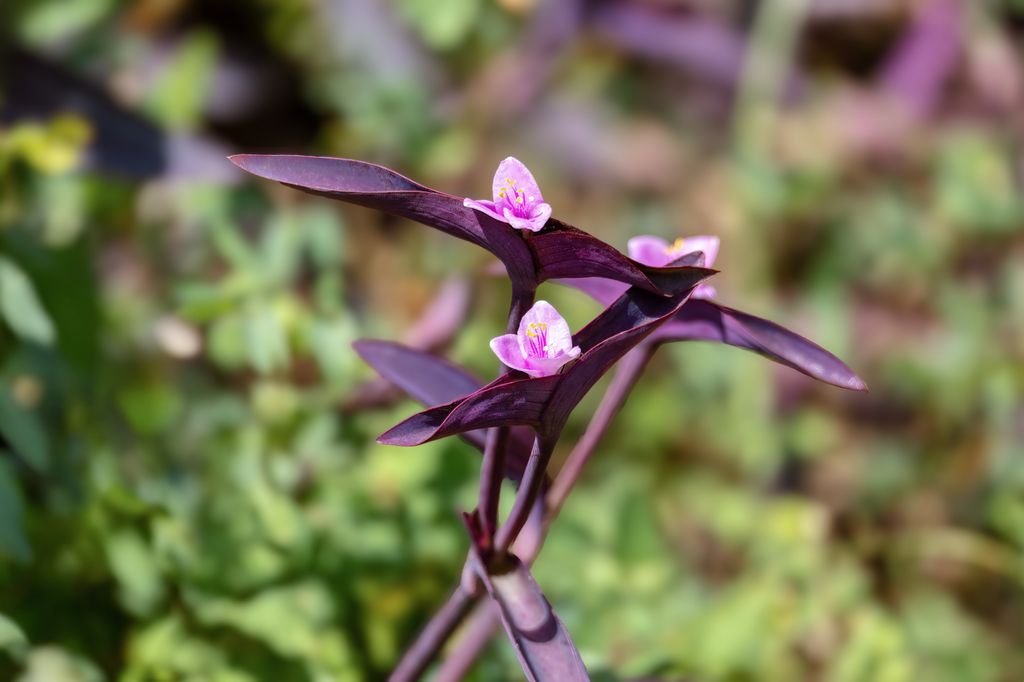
369, 185
702, 320
240, 160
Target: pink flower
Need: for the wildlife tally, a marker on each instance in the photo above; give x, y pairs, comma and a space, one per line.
517, 198
541, 346
658, 253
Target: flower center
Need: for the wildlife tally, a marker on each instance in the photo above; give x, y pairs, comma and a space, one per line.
678, 247
537, 338
515, 199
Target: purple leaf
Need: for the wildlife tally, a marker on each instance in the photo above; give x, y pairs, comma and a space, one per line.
370, 185
426, 378
433, 331
431, 380
566, 252
558, 251
545, 403
506, 401
709, 321
705, 320
545, 650
605, 291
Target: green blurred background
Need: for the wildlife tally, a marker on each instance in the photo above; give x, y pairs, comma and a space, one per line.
182, 496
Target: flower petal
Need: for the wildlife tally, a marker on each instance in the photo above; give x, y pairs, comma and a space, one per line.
564, 252
512, 172
545, 367
602, 290
657, 252
559, 336
649, 250
508, 350
484, 206
541, 212
529, 224
706, 243
704, 292
545, 403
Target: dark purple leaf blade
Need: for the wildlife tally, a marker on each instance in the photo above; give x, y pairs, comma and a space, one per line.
432, 380
369, 185
546, 403
605, 291
545, 650
426, 378
433, 331
567, 252
559, 251
509, 400
708, 321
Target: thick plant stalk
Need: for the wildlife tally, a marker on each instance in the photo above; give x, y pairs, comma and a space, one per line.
485, 622
545, 650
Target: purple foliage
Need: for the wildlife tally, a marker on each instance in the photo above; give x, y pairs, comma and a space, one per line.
709, 321
559, 251
654, 296
545, 403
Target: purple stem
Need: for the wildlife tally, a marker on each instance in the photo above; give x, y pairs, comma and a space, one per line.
483, 625
491, 474
529, 489
485, 619
492, 471
432, 638
631, 366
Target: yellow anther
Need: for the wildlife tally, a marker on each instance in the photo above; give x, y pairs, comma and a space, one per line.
534, 329
676, 247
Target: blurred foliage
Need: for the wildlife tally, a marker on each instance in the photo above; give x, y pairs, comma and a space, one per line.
181, 497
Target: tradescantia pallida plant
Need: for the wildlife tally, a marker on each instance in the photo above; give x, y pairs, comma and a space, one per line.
655, 295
